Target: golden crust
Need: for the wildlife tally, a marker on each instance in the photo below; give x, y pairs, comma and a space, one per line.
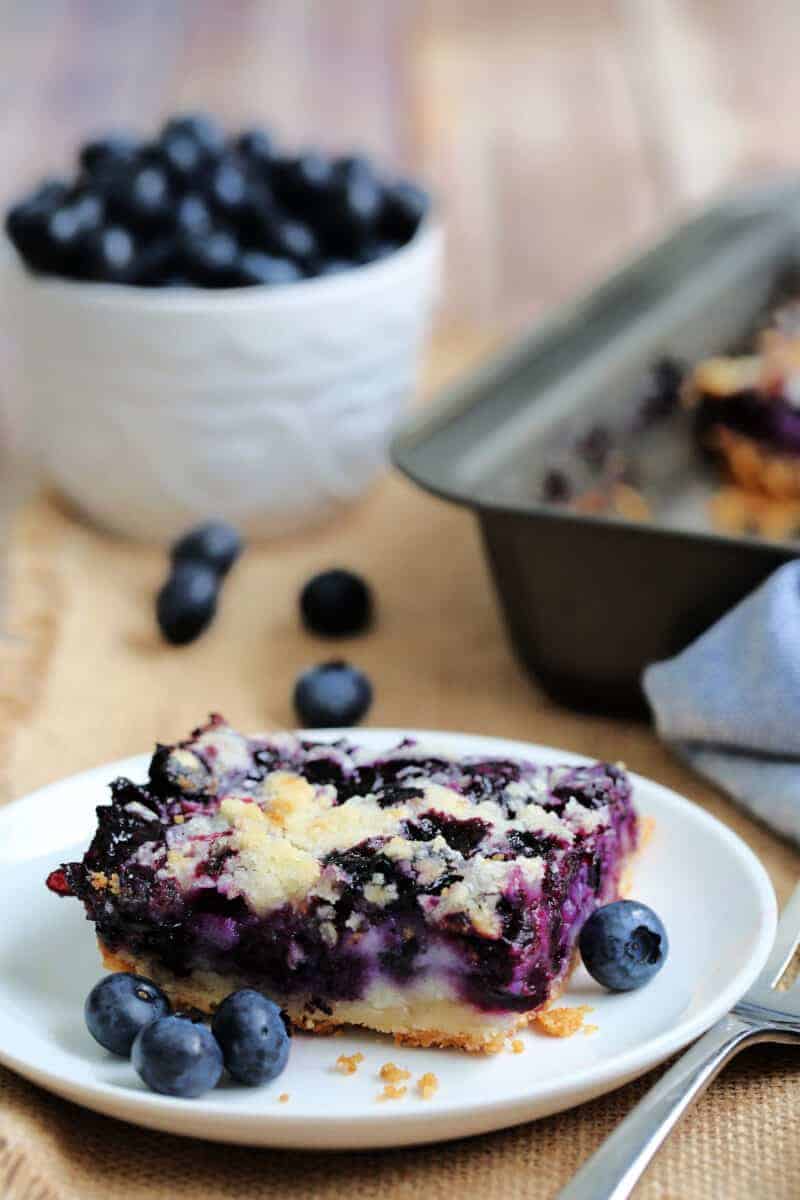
757, 468
619, 500
737, 510
430, 1039
722, 376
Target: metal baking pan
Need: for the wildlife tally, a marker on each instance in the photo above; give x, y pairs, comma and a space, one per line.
589, 600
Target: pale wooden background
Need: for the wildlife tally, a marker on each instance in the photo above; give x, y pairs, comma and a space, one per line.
558, 133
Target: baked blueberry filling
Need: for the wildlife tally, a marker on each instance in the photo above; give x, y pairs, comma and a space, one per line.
767, 419
317, 873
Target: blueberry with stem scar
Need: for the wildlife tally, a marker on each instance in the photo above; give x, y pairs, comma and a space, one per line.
118, 1008
623, 945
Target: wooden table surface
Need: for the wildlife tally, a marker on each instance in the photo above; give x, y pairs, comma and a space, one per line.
558, 133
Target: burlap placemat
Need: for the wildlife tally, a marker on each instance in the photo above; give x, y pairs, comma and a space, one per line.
86, 679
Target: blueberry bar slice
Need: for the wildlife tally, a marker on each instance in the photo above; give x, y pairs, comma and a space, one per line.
435, 898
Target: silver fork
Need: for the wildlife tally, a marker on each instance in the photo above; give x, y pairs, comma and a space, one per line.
762, 1015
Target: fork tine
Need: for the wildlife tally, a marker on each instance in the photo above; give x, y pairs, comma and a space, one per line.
786, 939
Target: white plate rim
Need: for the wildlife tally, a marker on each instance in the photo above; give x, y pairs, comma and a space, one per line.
289, 1130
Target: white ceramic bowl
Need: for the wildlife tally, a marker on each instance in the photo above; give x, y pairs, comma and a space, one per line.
270, 407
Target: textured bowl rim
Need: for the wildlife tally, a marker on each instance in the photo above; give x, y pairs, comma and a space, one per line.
425, 244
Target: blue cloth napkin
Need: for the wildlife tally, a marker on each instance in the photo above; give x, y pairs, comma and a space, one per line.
730, 703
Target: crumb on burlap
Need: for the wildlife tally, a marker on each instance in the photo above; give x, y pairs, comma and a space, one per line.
347, 1064
562, 1022
283, 1098
391, 1073
392, 1091
428, 1085
517, 1046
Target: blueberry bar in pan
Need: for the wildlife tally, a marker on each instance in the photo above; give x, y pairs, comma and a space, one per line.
435, 898
747, 410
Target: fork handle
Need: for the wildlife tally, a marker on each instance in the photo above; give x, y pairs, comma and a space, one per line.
615, 1168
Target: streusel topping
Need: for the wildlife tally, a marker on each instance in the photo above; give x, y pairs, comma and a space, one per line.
275, 835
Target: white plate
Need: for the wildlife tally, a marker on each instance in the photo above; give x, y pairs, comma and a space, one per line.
712, 893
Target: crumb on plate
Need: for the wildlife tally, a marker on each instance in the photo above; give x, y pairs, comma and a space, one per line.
517, 1046
391, 1073
391, 1091
562, 1022
590, 1028
348, 1063
428, 1085
282, 1099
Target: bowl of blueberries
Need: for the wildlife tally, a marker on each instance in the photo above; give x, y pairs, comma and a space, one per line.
202, 322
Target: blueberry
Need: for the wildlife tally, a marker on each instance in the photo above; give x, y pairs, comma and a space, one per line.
556, 487
404, 208
257, 268
331, 695
200, 127
303, 182
336, 603
595, 446
177, 1057
211, 259
193, 215
356, 205
350, 214
228, 189
108, 154
257, 146
67, 228
216, 544
374, 251
660, 393
26, 223
182, 156
64, 233
91, 206
109, 254
119, 1006
292, 239
623, 945
252, 1035
150, 195
354, 165
155, 261
143, 199
187, 602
